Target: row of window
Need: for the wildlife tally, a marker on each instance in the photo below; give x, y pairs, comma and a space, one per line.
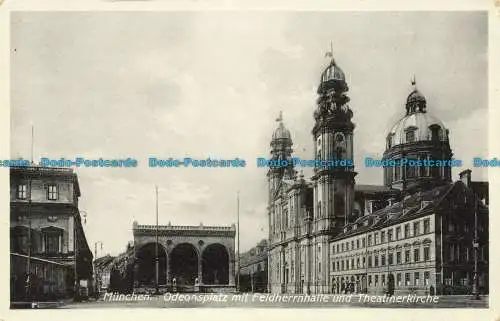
408, 279
396, 173
51, 244
380, 260
385, 236
52, 192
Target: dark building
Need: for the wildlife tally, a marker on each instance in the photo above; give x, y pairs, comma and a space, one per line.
46, 235
253, 269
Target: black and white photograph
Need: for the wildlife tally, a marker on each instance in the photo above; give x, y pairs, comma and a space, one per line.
249, 159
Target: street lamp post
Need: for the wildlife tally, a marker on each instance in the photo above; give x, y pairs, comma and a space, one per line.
76, 294
475, 246
95, 268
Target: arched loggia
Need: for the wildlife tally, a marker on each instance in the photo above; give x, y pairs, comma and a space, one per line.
184, 264
146, 265
215, 265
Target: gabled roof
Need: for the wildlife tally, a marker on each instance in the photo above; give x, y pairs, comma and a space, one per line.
420, 203
374, 189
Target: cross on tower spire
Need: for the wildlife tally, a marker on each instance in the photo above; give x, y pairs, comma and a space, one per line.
280, 117
330, 52
414, 81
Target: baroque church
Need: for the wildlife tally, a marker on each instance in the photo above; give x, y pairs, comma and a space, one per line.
419, 232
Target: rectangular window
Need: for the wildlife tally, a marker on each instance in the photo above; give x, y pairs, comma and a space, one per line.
389, 235
369, 240
382, 237
416, 255
410, 136
383, 279
416, 278
407, 230
376, 260
357, 263
357, 244
398, 233
352, 245
347, 246
342, 247
397, 171
426, 278
364, 262
370, 261
22, 191
426, 253
391, 259
338, 265
407, 256
407, 279
376, 280
343, 267
369, 280
398, 279
337, 248
363, 243
51, 241
416, 228
376, 238
52, 192
398, 257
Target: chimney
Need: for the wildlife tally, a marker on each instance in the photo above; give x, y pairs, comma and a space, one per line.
465, 177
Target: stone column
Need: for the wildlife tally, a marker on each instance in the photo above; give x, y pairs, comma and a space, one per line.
200, 274
231, 272
168, 274
136, 269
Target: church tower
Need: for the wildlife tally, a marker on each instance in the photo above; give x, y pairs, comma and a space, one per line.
334, 183
281, 150
333, 140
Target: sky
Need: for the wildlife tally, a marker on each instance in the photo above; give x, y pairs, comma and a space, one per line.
211, 84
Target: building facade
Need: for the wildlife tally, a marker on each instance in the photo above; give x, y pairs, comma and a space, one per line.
46, 234
417, 233
190, 258
253, 269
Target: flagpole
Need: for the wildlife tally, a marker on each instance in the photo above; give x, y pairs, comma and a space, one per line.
238, 231
32, 142
157, 262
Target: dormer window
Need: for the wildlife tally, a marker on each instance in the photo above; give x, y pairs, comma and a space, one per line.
436, 132
410, 134
389, 140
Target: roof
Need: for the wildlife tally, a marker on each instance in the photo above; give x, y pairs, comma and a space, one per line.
374, 189
417, 204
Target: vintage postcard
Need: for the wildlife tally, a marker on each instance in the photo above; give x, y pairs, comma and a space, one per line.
246, 159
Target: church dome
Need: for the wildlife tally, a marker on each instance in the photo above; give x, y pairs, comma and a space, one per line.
332, 72
417, 127
281, 132
415, 97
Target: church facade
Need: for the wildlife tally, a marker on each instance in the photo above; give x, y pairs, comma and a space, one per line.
419, 232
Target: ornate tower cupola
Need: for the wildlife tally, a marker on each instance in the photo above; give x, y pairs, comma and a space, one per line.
333, 141
417, 137
281, 150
